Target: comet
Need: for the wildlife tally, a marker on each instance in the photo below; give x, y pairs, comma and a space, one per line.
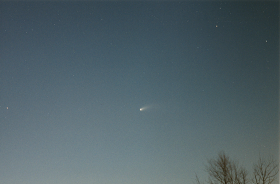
142, 109
147, 107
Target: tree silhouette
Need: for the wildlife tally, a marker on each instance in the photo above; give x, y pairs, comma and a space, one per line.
223, 170
265, 171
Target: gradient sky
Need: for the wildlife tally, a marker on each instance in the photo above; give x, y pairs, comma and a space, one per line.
73, 77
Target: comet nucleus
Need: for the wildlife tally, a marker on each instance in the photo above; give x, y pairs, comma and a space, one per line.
144, 108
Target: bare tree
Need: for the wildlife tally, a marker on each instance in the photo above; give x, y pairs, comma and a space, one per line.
222, 170
265, 171
225, 171
243, 179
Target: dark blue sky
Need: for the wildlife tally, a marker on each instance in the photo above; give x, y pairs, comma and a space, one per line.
73, 77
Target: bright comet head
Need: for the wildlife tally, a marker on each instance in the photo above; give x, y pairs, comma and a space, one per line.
148, 107
144, 108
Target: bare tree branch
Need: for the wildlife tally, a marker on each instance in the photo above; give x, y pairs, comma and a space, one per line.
225, 171
222, 170
265, 171
197, 181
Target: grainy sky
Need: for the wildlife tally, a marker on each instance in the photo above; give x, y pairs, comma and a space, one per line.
74, 76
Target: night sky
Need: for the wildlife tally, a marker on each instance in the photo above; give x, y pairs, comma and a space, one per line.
135, 92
